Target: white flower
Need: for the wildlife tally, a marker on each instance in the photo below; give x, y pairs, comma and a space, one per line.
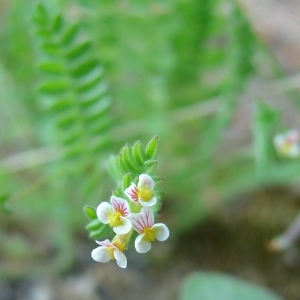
143, 192
143, 223
108, 251
288, 143
115, 214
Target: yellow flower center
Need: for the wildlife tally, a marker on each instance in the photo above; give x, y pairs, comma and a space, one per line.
119, 245
121, 240
115, 220
149, 234
286, 147
111, 252
145, 195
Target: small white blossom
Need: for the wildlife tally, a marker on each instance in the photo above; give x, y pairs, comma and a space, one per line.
115, 214
143, 192
288, 143
108, 251
143, 223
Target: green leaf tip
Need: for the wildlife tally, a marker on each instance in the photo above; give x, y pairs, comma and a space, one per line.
138, 152
129, 159
58, 23
152, 148
151, 164
126, 182
90, 212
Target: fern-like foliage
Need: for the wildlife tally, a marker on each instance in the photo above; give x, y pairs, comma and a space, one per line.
221, 68
125, 168
74, 90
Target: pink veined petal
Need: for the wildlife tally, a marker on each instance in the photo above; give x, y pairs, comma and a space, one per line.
142, 245
293, 136
149, 203
124, 228
101, 254
120, 259
136, 223
148, 217
161, 231
104, 243
142, 220
104, 210
146, 182
120, 205
132, 192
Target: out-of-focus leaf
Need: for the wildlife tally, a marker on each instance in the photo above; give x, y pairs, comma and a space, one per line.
69, 34
54, 87
4, 207
51, 67
212, 286
263, 126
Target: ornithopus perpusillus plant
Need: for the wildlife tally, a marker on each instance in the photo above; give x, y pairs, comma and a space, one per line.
131, 210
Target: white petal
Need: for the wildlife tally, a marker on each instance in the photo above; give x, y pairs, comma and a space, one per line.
120, 259
104, 210
294, 151
279, 140
161, 231
101, 254
293, 136
124, 228
132, 192
149, 203
120, 205
142, 245
146, 182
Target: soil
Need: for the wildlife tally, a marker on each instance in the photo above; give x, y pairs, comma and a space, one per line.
233, 241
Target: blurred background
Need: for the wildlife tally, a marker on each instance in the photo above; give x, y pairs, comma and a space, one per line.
214, 79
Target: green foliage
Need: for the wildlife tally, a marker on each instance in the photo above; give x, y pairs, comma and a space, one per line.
4, 207
75, 89
210, 286
75, 95
95, 227
134, 160
264, 125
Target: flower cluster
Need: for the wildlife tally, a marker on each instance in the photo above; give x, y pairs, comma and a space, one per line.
125, 217
288, 143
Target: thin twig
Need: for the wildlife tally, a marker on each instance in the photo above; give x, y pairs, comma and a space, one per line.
287, 239
32, 158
